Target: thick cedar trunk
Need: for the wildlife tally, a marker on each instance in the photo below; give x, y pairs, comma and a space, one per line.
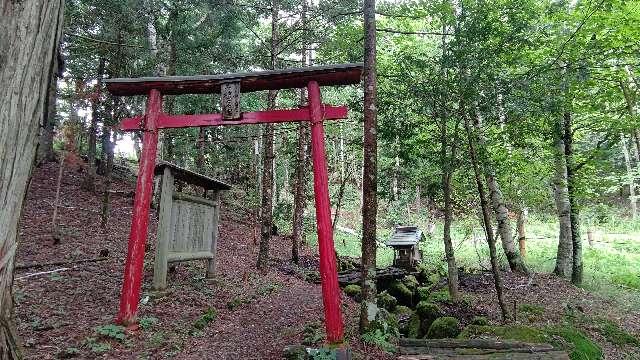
630, 176
368, 308
563, 207
267, 156
170, 99
497, 203
89, 182
486, 219
29, 33
576, 241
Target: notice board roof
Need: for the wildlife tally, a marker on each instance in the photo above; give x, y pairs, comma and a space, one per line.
325, 75
191, 177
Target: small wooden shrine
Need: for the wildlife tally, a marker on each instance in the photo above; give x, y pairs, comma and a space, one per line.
188, 225
405, 242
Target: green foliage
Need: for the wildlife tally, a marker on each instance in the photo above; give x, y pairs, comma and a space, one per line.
378, 338
531, 309
479, 320
423, 293
614, 334
206, 318
313, 333
441, 296
147, 322
583, 347
112, 331
410, 282
444, 327
96, 346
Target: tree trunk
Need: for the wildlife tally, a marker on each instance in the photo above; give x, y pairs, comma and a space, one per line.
200, 147
522, 236
267, 157
497, 202
576, 241
45, 143
630, 176
368, 307
89, 182
106, 201
563, 207
299, 198
486, 219
29, 34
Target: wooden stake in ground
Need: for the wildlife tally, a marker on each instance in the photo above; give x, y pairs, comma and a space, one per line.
55, 230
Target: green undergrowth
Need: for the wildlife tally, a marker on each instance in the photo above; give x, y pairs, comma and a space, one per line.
565, 337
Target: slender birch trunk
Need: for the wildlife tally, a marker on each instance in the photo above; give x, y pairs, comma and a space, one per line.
564, 255
630, 177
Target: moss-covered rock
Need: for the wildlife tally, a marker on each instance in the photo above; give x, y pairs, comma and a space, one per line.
386, 322
387, 301
444, 327
402, 293
427, 312
411, 282
412, 327
353, 291
423, 293
441, 295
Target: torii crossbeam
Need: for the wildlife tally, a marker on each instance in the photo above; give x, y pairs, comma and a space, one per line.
230, 86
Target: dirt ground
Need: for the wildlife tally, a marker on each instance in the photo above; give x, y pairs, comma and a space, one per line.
256, 315
58, 312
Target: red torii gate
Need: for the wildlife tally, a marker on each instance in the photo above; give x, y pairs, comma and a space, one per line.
230, 86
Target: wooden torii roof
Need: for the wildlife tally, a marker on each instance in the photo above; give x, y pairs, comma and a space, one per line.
325, 75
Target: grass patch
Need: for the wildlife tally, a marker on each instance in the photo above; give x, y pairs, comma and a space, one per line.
614, 334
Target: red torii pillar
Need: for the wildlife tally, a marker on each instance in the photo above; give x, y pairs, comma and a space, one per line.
154, 120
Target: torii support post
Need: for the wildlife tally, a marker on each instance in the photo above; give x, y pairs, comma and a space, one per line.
328, 268
140, 219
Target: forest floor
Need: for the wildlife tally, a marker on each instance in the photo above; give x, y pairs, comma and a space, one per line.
242, 314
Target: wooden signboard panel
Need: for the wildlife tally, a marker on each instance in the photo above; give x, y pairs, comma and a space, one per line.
188, 230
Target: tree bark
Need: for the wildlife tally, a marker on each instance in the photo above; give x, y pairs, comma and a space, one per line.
106, 201
368, 307
486, 219
576, 241
630, 177
522, 236
89, 182
45, 143
268, 156
29, 34
564, 254
497, 202
299, 198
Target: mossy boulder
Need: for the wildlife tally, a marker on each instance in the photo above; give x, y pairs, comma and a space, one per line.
427, 312
387, 301
444, 327
411, 282
412, 327
386, 322
423, 293
402, 293
353, 291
